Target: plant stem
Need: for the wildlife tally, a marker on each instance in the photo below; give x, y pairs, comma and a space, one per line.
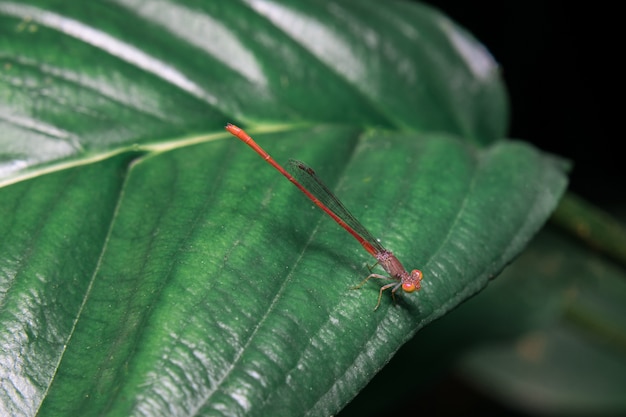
593, 226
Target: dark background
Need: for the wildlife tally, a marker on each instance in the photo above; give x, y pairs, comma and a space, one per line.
560, 64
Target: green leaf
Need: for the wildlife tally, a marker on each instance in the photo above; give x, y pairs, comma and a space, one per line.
151, 264
568, 309
209, 284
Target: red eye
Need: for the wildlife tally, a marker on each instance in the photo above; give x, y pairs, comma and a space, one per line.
418, 273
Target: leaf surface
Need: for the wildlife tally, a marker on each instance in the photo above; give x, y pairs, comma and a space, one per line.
152, 265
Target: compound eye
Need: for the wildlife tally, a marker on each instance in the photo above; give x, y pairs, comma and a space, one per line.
416, 273
408, 287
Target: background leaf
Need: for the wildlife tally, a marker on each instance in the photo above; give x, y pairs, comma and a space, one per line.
152, 265
569, 331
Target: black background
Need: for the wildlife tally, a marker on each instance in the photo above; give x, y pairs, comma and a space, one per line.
560, 62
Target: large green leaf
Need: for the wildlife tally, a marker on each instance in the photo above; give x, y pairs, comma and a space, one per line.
151, 264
